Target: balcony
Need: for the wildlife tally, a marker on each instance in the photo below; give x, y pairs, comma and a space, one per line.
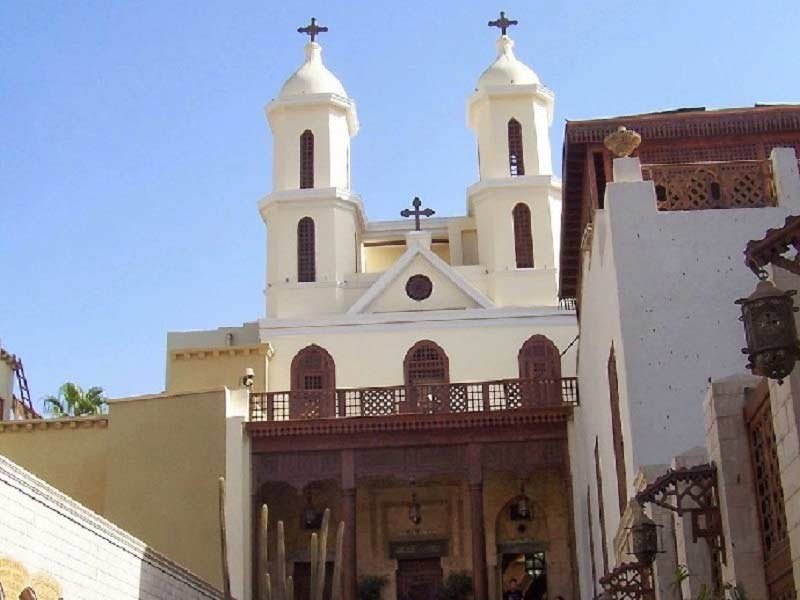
711, 185
545, 395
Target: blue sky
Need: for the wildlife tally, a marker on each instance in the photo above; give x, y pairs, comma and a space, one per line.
134, 146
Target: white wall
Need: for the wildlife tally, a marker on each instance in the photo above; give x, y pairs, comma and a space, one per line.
661, 286
50, 534
369, 350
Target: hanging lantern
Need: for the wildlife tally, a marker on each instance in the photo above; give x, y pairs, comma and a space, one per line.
311, 516
768, 317
521, 509
644, 536
415, 510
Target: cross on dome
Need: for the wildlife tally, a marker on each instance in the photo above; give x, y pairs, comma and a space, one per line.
502, 23
416, 213
313, 30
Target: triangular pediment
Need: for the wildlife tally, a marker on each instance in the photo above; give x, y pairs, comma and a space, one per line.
403, 286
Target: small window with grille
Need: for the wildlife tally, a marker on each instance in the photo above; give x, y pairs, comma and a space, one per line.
307, 160
426, 362
515, 161
306, 259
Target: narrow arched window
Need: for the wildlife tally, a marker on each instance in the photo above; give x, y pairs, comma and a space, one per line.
313, 384
306, 259
307, 159
616, 432
516, 163
523, 239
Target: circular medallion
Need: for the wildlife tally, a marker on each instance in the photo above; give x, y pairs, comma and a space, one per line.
419, 287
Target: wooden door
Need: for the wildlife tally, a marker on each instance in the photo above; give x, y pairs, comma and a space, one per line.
419, 579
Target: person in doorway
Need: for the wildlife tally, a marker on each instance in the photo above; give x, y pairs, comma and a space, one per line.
513, 592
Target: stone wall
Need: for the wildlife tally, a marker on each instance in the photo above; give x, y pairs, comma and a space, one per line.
63, 550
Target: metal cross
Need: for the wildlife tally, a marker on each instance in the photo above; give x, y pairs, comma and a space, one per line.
416, 213
313, 29
502, 23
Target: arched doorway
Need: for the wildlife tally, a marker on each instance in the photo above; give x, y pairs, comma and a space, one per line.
522, 550
313, 384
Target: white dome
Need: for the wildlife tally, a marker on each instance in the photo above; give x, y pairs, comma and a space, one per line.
312, 77
506, 69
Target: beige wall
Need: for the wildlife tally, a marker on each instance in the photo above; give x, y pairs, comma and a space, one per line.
69, 454
191, 369
151, 467
165, 456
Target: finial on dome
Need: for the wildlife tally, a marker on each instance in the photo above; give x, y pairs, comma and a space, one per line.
313, 30
502, 23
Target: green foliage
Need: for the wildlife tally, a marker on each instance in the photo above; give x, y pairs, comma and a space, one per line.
731, 591
73, 401
370, 587
457, 586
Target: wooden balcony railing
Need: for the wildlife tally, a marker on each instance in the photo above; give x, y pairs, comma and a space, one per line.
708, 185
428, 399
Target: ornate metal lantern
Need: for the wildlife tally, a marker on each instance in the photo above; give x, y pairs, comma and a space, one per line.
772, 345
644, 536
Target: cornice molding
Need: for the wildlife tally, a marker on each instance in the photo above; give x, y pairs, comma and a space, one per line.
221, 351
69, 423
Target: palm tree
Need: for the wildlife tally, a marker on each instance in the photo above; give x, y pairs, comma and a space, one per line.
72, 401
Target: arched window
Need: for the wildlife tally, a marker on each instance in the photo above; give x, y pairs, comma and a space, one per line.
540, 372
426, 362
307, 159
306, 252
616, 432
426, 370
313, 384
516, 163
523, 238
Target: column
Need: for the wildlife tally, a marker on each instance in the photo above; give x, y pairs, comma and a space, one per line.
349, 560
475, 484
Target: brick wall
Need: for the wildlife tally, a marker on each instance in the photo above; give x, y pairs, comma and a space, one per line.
50, 541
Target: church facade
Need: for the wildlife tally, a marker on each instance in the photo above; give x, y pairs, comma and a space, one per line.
420, 376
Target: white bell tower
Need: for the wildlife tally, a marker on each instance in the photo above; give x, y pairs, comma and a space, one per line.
312, 217
516, 202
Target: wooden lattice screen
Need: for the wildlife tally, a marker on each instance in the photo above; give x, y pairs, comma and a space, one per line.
616, 431
307, 160
769, 496
306, 259
515, 161
426, 362
523, 238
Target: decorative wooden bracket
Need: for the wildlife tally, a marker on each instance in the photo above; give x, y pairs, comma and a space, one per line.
691, 490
